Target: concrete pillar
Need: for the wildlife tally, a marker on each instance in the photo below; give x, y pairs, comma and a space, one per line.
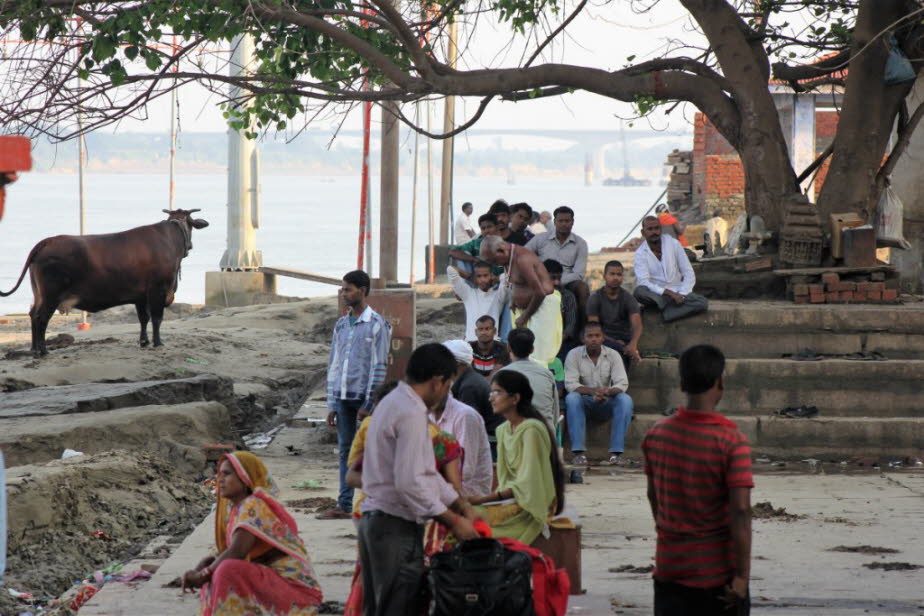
588, 168
449, 117
388, 216
600, 162
802, 145
243, 168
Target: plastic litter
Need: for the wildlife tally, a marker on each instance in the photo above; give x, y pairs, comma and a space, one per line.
260, 440
197, 362
71, 453
16, 594
308, 484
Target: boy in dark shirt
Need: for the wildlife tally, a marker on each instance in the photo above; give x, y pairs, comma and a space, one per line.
490, 355
618, 312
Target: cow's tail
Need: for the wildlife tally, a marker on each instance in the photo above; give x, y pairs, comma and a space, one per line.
25, 268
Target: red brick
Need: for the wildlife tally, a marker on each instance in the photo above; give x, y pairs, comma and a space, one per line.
863, 286
800, 289
889, 295
845, 296
847, 286
859, 296
817, 299
832, 287
831, 296
830, 278
874, 295
816, 288
877, 286
804, 299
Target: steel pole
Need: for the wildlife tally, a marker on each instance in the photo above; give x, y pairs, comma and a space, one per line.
414, 193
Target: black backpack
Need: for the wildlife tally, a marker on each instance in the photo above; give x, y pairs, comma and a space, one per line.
480, 577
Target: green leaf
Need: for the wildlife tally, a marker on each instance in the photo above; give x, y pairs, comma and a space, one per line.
152, 61
131, 52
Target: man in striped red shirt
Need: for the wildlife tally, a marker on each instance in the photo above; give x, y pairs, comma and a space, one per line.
699, 485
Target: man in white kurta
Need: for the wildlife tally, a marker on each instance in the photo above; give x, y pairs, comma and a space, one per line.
664, 276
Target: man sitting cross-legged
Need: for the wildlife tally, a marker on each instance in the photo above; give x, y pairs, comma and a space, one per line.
596, 381
664, 275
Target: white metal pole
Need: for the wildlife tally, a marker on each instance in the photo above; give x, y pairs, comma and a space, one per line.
170, 202
431, 278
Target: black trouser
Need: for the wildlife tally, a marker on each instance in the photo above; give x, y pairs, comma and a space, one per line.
694, 304
392, 564
672, 599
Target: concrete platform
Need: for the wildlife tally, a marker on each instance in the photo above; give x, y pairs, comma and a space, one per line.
90, 397
177, 431
838, 387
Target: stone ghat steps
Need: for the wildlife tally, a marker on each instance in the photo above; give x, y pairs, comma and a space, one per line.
824, 438
763, 329
757, 387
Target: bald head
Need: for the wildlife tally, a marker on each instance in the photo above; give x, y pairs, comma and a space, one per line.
494, 250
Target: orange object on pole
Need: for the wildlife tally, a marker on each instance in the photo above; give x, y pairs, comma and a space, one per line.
15, 155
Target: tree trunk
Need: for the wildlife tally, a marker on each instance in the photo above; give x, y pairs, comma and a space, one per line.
769, 178
867, 116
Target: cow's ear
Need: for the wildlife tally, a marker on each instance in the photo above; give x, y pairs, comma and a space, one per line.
198, 223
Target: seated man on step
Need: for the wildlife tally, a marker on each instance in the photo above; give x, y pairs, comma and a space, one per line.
664, 276
596, 380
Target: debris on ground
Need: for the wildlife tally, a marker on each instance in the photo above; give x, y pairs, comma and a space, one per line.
260, 440
765, 511
892, 566
318, 503
631, 569
863, 549
308, 484
70, 453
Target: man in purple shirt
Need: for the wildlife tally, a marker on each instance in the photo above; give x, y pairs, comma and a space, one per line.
403, 488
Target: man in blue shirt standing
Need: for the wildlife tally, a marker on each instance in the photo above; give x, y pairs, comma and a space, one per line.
357, 365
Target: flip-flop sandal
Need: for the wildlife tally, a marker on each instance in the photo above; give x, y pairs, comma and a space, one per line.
877, 356
807, 355
857, 357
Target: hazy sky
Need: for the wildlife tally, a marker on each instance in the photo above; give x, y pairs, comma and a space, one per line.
603, 37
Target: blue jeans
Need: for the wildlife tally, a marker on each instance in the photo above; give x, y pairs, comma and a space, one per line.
346, 429
580, 407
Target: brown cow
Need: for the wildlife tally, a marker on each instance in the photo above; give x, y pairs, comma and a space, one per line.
140, 266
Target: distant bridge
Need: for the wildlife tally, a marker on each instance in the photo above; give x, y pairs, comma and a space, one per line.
594, 143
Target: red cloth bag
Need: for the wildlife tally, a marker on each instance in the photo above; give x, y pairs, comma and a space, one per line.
551, 586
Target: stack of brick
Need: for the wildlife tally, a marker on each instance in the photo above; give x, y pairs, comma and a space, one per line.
859, 288
680, 187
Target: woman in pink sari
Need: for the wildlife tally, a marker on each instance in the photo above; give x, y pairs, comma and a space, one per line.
262, 567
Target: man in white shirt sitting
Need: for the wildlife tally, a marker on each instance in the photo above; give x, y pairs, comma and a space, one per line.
463, 230
664, 276
485, 298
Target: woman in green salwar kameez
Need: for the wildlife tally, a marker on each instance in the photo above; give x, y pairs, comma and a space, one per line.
529, 470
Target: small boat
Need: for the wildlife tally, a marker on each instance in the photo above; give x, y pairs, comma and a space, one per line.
626, 180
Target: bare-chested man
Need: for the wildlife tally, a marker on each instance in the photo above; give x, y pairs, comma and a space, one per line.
534, 302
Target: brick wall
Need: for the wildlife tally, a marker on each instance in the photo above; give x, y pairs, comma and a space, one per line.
718, 178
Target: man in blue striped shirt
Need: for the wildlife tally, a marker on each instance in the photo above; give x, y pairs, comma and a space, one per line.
358, 360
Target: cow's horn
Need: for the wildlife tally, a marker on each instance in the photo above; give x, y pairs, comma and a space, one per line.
195, 210
165, 211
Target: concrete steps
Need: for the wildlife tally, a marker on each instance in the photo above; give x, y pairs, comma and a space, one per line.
869, 408
771, 329
757, 387
824, 438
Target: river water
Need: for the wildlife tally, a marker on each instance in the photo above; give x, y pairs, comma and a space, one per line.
308, 222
